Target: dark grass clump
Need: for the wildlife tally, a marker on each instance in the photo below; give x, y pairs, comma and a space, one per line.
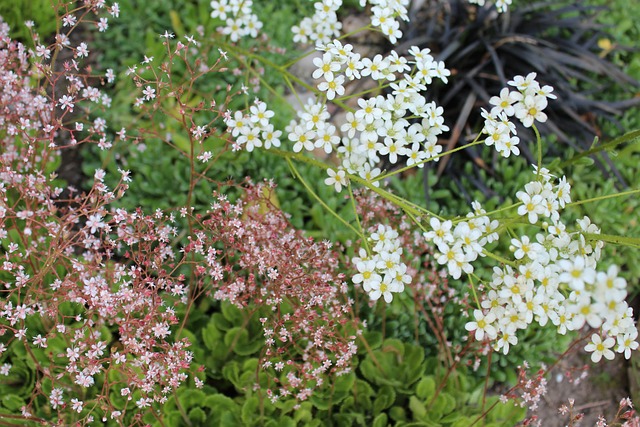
484, 49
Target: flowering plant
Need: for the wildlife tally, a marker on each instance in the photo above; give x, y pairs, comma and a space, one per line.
95, 298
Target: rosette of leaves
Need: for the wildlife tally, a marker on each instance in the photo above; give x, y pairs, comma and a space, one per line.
558, 40
392, 383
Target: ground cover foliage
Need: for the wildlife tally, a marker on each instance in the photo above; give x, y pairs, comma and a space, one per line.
225, 259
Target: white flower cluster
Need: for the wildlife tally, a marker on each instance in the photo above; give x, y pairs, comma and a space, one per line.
543, 198
526, 104
313, 131
501, 5
253, 130
553, 279
384, 16
382, 272
459, 246
239, 19
379, 127
322, 26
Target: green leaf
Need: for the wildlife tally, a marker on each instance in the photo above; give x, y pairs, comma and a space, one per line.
385, 398
250, 410
373, 339
224, 409
190, 397
363, 394
232, 313
197, 415
321, 400
344, 384
397, 413
583, 161
238, 340
464, 422
381, 420
281, 422
426, 388
303, 415
417, 408
443, 405
231, 372
12, 402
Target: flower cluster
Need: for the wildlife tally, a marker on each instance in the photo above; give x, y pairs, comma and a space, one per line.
382, 272
526, 104
290, 280
322, 26
253, 130
378, 127
74, 270
554, 279
238, 17
529, 390
461, 245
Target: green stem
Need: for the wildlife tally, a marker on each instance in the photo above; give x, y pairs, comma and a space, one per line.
633, 242
446, 153
627, 137
324, 205
498, 258
539, 142
400, 202
355, 213
608, 196
473, 290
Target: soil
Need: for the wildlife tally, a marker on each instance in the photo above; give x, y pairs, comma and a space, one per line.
606, 383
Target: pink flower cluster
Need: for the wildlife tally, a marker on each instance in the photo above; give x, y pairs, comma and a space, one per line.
89, 291
258, 262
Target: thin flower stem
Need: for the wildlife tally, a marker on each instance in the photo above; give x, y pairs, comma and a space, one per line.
473, 290
498, 258
319, 199
539, 143
446, 153
355, 213
404, 204
283, 71
608, 196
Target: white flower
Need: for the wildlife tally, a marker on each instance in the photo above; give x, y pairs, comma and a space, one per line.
374, 67
576, 274
382, 288
271, 137
627, 342
454, 258
259, 114
505, 340
367, 274
302, 138
337, 179
327, 138
250, 137
504, 102
482, 325
326, 67
333, 87
563, 192
531, 206
599, 348
530, 109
